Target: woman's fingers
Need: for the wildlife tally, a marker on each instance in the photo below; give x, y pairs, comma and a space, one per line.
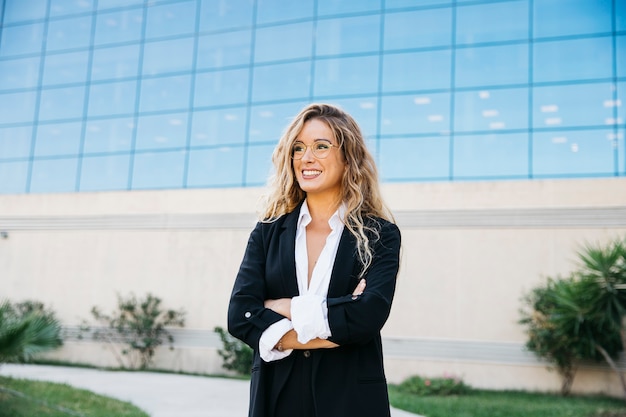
359, 288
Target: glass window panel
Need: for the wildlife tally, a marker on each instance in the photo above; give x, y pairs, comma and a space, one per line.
578, 59
573, 152
115, 98
277, 10
19, 73
364, 110
165, 93
99, 173
58, 139
392, 4
65, 68
491, 155
326, 7
17, 107
118, 26
418, 29
109, 4
62, 103
573, 105
15, 142
491, 109
295, 42
620, 103
224, 49
225, 14
268, 122
259, 164
356, 75
620, 144
415, 158
65, 7
491, 65
281, 81
54, 175
492, 22
406, 114
15, 11
23, 39
115, 62
158, 170
571, 17
221, 166
620, 55
221, 87
13, 177
69, 33
214, 127
162, 131
620, 16
416, 71
168, 56
347, 35
171, 19
109, 135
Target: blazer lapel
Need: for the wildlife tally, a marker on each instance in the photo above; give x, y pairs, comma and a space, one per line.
287, 253
344, 277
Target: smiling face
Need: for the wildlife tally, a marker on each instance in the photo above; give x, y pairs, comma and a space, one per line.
319, 177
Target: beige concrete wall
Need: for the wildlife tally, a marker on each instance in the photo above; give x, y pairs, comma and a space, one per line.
470, 250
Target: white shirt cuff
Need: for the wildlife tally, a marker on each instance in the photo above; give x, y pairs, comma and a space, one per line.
270, 338
309, 316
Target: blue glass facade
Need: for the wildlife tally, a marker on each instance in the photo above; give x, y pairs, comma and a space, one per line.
133, 94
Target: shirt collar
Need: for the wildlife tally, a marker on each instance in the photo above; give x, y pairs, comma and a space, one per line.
335, 221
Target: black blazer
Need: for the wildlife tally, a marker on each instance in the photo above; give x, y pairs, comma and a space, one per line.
348, 380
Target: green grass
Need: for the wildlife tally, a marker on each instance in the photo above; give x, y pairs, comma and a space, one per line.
480, 403
47, 399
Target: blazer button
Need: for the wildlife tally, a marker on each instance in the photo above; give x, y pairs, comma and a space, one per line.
306, 353
247, 315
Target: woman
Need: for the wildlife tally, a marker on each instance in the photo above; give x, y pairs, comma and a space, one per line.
318, 276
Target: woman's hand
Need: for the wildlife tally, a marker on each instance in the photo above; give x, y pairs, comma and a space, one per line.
360, 287
282, 306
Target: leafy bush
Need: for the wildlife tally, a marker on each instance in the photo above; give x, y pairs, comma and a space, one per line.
446, 385
237, 355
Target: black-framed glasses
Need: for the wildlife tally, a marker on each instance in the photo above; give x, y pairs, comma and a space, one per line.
321, 149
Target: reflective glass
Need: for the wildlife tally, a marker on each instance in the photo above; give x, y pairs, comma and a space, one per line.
19, 73
165, 93
392, 4
224, 49
62, 103
281, 81
573, 105
620, 16
118, 26
491, 65
620, 103
17, 107
65, 7
355, 75
117, 98
225, 14
577, 59
416, 71
415, 158
221, 87
571, 17
162, 131
179, 53
23, 39
491, 110
158, 170
15, 142
109, 4
364, 110
99, 173
58, 139
221, 166
620, 55
171, 19
278, 10
492, 22
327, 7
295, 41
620, 144
16, 11
347, 35
115, 62
267, 122
259, 164
54, 175
65, 68
109, 135
491, 155
213, 127
69, 33
410, 114
13, 177
418, 29
573, 152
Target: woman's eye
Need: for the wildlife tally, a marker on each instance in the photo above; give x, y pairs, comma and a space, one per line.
322, 146
298, 148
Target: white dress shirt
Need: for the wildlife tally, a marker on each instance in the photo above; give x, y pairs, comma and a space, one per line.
309, 313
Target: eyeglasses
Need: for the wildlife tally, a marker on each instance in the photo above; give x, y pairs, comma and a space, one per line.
320, 149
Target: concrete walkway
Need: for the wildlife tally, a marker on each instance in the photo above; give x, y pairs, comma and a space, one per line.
159, 394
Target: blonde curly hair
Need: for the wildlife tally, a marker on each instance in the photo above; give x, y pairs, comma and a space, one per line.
360, 188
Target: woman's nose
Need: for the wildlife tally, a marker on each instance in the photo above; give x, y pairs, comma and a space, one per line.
308, 154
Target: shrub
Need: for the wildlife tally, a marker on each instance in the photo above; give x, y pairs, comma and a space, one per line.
446, 385
237, 355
